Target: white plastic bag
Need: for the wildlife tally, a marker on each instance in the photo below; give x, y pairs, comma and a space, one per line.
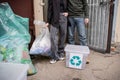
42, 43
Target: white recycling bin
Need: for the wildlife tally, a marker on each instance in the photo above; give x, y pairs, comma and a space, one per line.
11, 71
76, 56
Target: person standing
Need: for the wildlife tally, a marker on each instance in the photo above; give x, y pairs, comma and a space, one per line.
77, 17
57, 20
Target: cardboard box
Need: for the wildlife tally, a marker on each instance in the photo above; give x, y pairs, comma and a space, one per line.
76, 56
10, 71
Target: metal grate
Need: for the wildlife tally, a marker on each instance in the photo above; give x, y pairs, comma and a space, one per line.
97, 30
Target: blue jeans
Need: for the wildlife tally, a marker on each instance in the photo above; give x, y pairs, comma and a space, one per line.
80, 26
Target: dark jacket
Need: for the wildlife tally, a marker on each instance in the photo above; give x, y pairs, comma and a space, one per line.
78, 8
54, 11
63, 5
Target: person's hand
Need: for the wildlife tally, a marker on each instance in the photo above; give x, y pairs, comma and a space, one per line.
47, 24
65, 14
86, 20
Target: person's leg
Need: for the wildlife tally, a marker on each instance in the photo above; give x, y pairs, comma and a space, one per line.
71, 30
54, 42
62, 35
81, 31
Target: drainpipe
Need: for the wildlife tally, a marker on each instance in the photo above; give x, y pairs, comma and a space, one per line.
110, 26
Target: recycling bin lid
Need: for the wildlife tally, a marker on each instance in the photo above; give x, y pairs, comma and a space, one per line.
77, 49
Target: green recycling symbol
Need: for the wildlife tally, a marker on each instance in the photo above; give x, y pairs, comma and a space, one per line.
75, 60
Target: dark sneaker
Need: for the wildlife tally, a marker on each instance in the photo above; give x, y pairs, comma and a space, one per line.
53, 61
61, 58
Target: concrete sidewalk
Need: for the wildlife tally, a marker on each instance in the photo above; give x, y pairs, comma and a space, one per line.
101, 67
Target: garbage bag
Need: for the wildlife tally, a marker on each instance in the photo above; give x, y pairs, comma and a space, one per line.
14, 38
42, 43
